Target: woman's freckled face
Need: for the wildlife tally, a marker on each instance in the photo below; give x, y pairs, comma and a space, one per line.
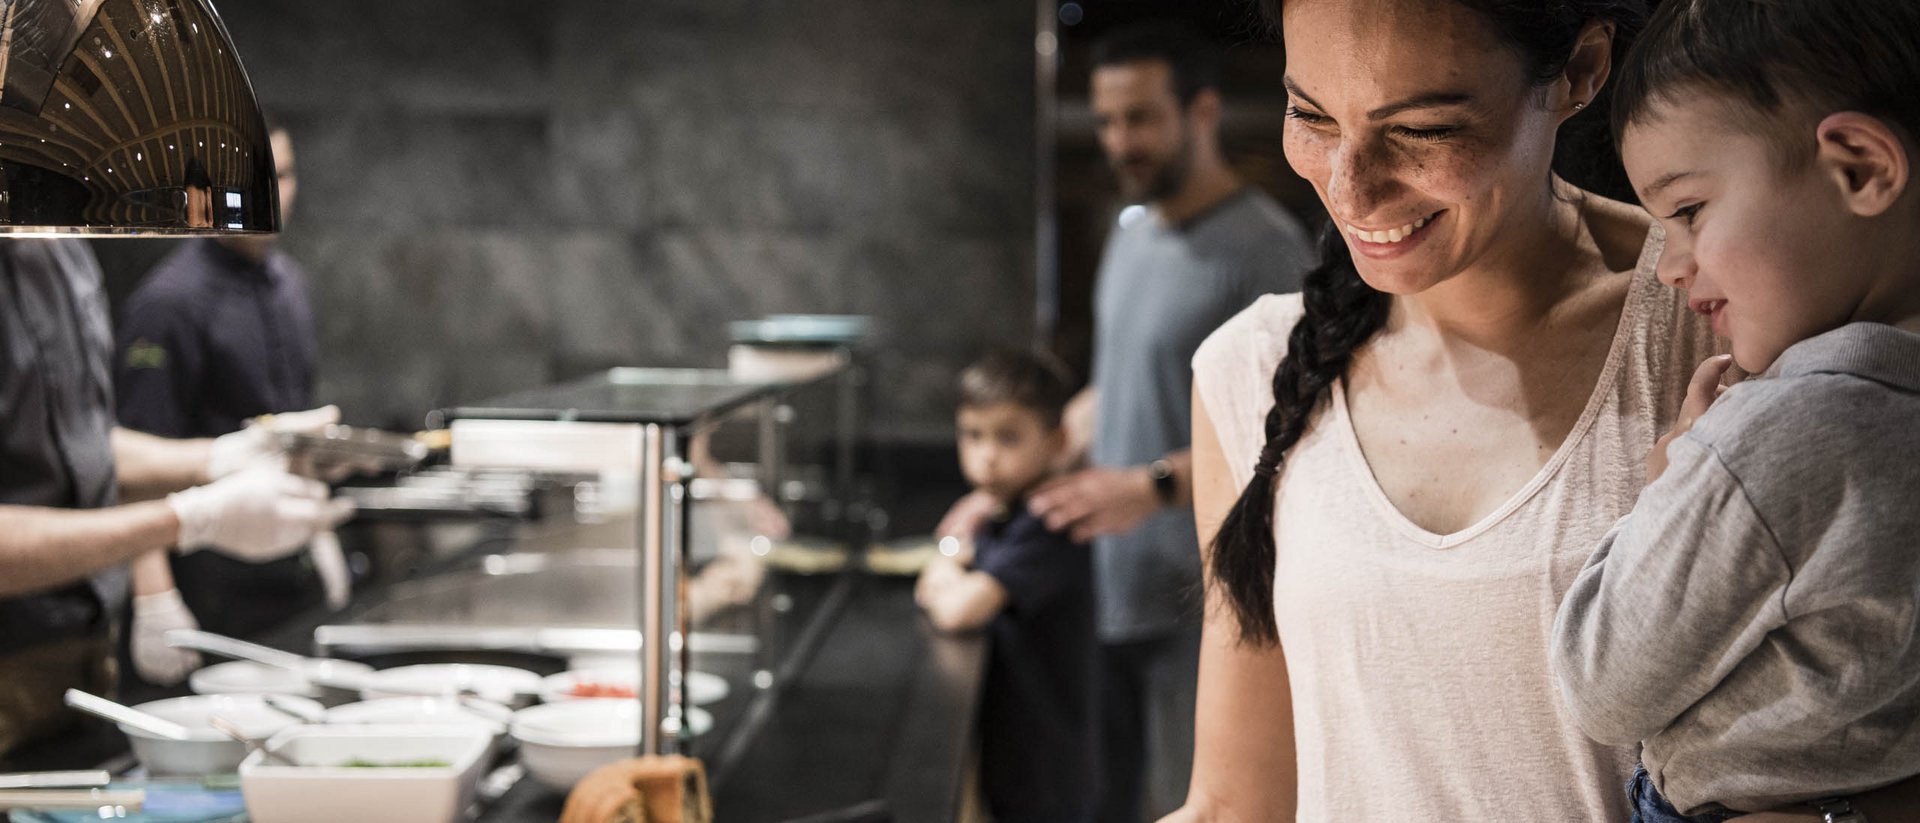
1419, 128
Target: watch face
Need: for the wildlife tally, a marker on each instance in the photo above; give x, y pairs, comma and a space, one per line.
1839, 811
1162, 473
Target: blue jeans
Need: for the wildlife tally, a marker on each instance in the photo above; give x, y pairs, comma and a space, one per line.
1650, 807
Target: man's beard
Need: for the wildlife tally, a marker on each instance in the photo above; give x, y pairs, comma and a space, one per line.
1167, 179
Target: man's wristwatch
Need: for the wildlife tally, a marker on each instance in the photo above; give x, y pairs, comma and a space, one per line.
1164, 484
1838, 810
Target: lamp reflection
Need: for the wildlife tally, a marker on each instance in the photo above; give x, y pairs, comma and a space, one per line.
99, 88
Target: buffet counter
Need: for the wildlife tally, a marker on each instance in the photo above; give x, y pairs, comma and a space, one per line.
874, 723
869, 716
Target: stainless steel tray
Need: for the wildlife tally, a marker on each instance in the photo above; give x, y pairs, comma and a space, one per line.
576, 602
370, 449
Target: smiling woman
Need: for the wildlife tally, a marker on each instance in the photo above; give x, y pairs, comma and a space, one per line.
1406, 466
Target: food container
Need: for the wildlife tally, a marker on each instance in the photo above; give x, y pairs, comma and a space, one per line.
623, 681
505, 685
209, 752
327, 788
561, 742
248, 677
430, 711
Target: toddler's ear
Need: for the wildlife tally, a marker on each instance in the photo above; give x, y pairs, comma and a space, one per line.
1866, 158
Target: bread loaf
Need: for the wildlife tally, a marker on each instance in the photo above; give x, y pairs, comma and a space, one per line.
652, 789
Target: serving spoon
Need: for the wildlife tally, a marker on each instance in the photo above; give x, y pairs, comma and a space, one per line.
227, 727
127, 715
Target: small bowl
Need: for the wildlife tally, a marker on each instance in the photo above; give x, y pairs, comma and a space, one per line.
561, 742
209, 752
248, 677
505, 685
624, 682
323, 789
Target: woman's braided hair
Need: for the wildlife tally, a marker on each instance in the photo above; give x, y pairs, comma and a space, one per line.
1342, 312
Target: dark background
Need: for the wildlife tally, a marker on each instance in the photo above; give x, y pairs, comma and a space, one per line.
497, 195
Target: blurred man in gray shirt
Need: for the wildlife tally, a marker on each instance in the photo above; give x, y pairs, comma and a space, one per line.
1207, 245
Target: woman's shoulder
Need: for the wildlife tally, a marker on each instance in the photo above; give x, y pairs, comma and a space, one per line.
1254, 337
1233, 373
1621, 231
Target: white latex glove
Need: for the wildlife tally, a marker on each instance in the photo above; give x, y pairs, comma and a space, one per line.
258, 515
153, 616
259, 442
330, 563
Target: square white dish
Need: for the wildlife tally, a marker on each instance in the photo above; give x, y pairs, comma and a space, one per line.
323, 789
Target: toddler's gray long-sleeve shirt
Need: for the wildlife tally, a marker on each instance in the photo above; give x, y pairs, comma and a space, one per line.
1755, 621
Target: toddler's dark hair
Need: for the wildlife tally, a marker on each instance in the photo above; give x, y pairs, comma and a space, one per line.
1028, 379
1779, 60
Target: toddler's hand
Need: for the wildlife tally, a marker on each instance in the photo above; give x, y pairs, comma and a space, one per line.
1701, 392
968, 514
936, 577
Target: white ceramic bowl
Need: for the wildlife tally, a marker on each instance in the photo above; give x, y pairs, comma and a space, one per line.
500, 684
561, 742
209, 752
432, 711
702, 688
324, 790
248, 677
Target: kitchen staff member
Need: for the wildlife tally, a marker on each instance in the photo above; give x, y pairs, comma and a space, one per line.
64, 466
1207, 246
220, 332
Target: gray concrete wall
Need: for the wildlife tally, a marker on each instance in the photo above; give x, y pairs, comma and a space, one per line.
496, 195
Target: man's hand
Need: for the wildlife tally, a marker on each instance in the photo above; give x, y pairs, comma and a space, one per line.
153, 616
259, 442
257, 515
1701, 392
1097, 502
967, 516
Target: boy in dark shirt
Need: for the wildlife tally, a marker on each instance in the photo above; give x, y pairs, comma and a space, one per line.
1031, 589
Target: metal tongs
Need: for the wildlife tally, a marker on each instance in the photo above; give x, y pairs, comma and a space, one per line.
65, 790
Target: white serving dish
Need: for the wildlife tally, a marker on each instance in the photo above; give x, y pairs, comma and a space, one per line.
248, 677
324, 790
500, 684
702, 688
561, 742
209, 752
432, 711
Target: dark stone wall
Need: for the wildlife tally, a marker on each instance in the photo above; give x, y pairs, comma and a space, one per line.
495, 195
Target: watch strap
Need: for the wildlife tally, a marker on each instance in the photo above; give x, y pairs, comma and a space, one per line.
1164, 483
1838, 810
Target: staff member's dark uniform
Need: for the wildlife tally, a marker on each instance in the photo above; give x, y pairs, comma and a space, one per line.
56, 450
209, 340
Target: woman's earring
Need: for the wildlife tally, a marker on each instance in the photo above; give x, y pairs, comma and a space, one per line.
1580, 105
